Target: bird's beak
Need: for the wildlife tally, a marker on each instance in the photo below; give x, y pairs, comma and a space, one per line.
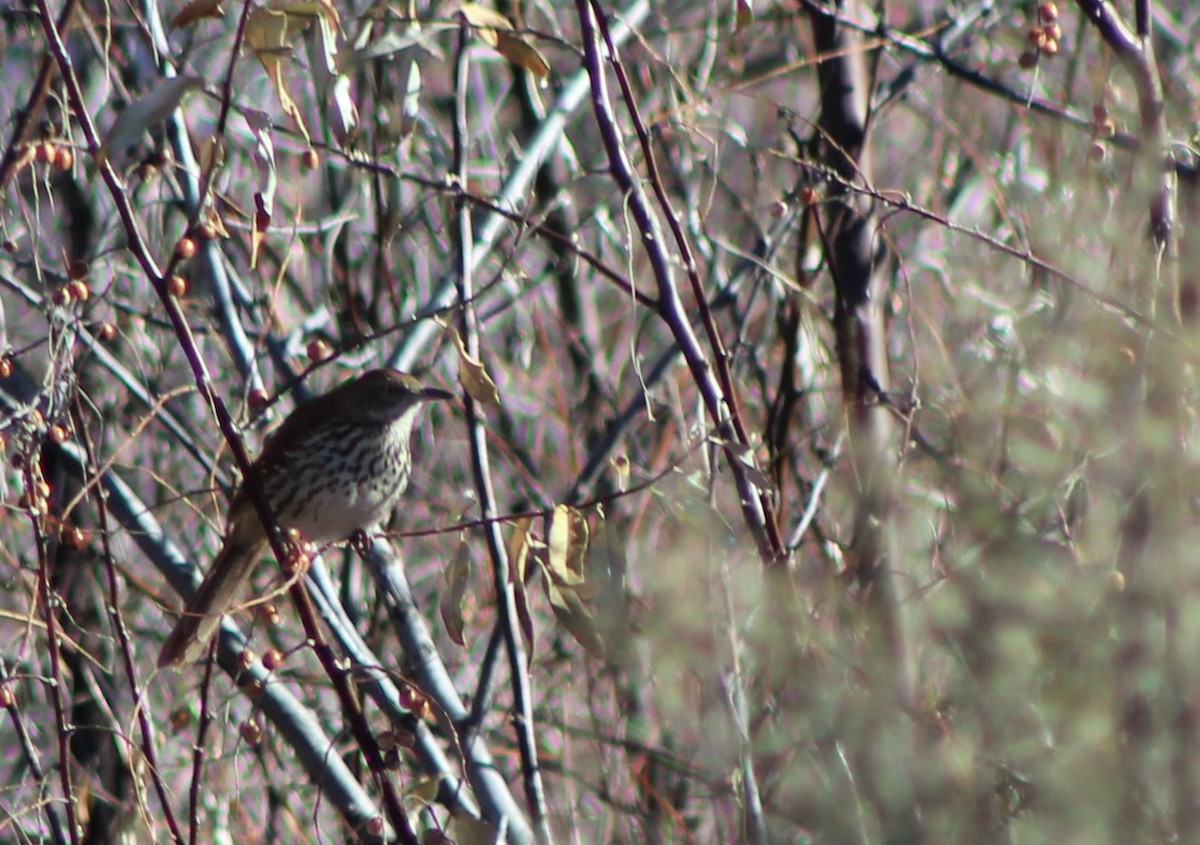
433, 394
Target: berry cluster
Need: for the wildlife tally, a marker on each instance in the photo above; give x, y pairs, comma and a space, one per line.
1044, 38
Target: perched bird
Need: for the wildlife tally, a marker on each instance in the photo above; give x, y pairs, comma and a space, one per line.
338, 464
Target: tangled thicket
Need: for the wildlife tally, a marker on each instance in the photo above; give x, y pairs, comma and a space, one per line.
825, 465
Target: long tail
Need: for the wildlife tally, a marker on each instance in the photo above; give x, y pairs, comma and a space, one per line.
221, 590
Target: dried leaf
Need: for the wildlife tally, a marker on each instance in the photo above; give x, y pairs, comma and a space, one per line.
453, 601
497, 31
567, 546
154, 108
473, 376
486, 21
197, 10
565, 578
213, 219
572, 612
518, 550
522, 54
267, 33
306, 9
518, 556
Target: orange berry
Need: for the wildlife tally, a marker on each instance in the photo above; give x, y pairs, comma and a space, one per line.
1029, 59
79, 290
269, 614
1037, 37
177, 286
1053, 32
58, 434
310, 159
5, 366
186, 247
273, 659
45, 152
74, 537
106, 332
297, 562
1050, 48
64, 158
7, 699
1048, 11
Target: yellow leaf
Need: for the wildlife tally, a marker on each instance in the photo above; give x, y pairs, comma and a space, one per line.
485, 20
497, 31
518, 557
309, 9
522, 54
196, 10
473, 376
567, 545
518, 549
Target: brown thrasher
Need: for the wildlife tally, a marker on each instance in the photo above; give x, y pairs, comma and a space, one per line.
337, 465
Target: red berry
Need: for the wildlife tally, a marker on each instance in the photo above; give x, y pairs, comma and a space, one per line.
318, 350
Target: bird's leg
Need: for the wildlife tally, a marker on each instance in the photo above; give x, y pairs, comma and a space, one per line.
360, 541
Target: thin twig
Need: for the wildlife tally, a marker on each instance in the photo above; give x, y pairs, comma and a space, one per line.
481, 470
